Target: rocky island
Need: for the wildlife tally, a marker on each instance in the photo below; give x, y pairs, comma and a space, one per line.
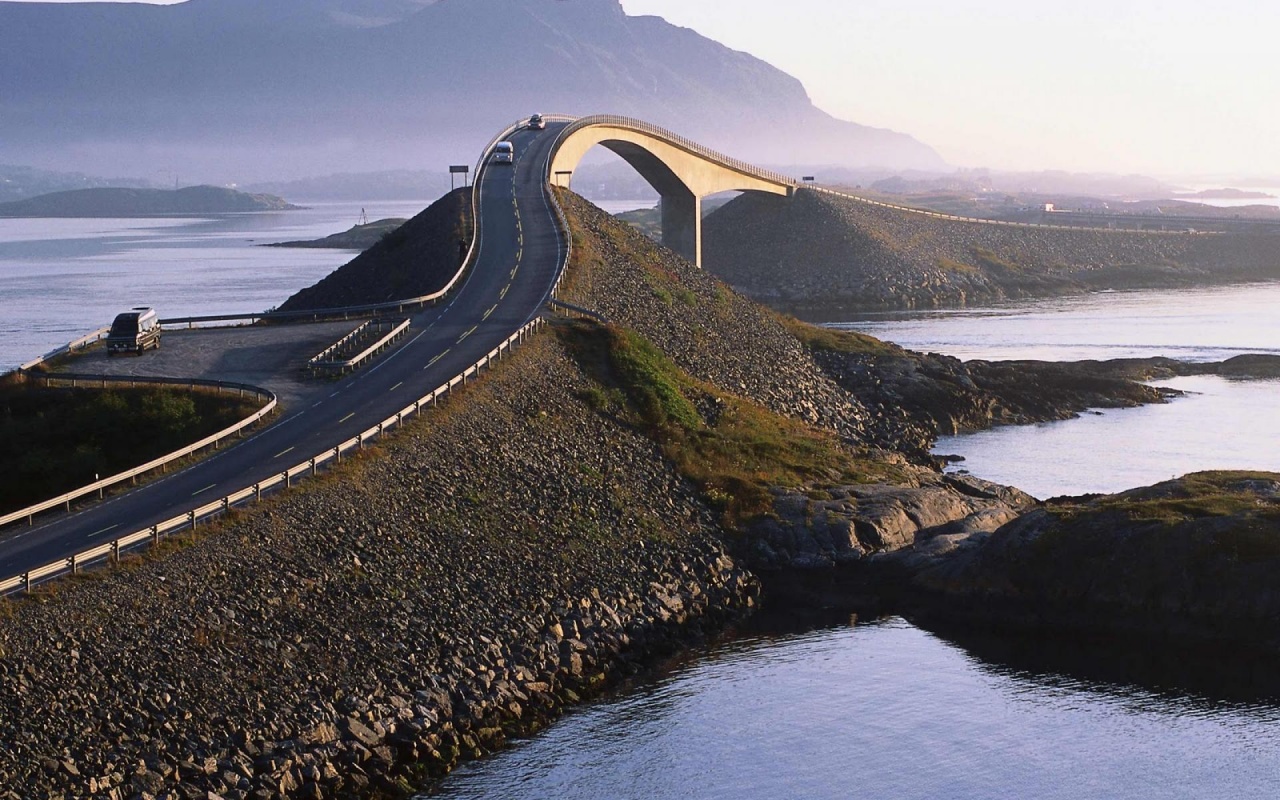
358, 237
606, 495
128, 202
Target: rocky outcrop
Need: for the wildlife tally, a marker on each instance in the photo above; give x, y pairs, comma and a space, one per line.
841, 525
913, 398
416, 259
1197, 558
822, 256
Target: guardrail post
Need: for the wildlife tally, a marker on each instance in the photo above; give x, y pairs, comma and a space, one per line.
155, 535
360, 441
226, 504
337, 454
191, 519
74, 564
313, 467
115, 551
26, 582
288, 480
257, 492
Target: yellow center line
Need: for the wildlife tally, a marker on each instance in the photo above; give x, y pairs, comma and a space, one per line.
283, 452
468, 333
347, 417
433, 361
492, 309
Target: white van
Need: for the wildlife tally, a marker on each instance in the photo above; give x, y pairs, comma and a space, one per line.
134, 331
504, 153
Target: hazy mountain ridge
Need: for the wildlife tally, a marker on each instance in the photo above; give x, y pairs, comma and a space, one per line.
297, 87
124, 202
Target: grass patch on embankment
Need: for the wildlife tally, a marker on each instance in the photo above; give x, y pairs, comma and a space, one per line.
1196, 496
55, 440
834, 340
731, 448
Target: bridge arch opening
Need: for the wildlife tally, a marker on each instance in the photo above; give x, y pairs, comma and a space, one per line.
682, 173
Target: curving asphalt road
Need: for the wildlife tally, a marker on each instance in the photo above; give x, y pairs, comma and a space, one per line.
519, 257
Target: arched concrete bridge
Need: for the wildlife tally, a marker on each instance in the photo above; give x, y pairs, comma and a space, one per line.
683, 172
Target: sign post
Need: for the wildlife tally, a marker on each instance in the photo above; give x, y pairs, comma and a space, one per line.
462, 170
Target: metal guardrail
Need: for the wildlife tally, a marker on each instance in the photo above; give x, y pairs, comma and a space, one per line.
396, 306
324, 363
1001, 222
71, 347
223, 387
188, 521
569, 309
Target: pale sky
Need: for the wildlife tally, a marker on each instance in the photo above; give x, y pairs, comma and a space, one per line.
1162, 87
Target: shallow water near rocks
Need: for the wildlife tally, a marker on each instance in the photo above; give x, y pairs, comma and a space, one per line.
889, 710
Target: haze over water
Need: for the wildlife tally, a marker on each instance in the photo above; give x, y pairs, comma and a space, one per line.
62, 278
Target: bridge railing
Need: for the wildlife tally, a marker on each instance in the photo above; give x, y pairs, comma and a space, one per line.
1001, 222
640, 126
64, 501
189, 520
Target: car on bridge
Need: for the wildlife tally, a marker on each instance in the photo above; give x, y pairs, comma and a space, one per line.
537, 123
504, 153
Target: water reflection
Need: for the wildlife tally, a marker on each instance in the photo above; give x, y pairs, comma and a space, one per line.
887, 709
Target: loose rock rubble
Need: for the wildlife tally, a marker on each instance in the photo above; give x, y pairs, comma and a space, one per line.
822, 256
362, 634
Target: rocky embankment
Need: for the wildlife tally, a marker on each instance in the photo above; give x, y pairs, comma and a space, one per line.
416, 259
514, 553
820, 256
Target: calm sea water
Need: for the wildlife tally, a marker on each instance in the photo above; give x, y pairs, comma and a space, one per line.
61, 278
888, 710
1219, 424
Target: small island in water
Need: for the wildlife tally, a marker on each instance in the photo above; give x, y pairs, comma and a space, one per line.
125, 202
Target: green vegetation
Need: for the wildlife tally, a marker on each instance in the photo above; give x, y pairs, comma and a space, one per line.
990, 260
1195, 496
816, 337
732, 449
951, 265
55, 440
646, 220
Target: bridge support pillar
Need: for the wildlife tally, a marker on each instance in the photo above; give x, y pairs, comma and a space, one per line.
682, 224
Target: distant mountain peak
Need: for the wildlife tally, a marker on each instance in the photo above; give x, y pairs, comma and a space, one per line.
248, 90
